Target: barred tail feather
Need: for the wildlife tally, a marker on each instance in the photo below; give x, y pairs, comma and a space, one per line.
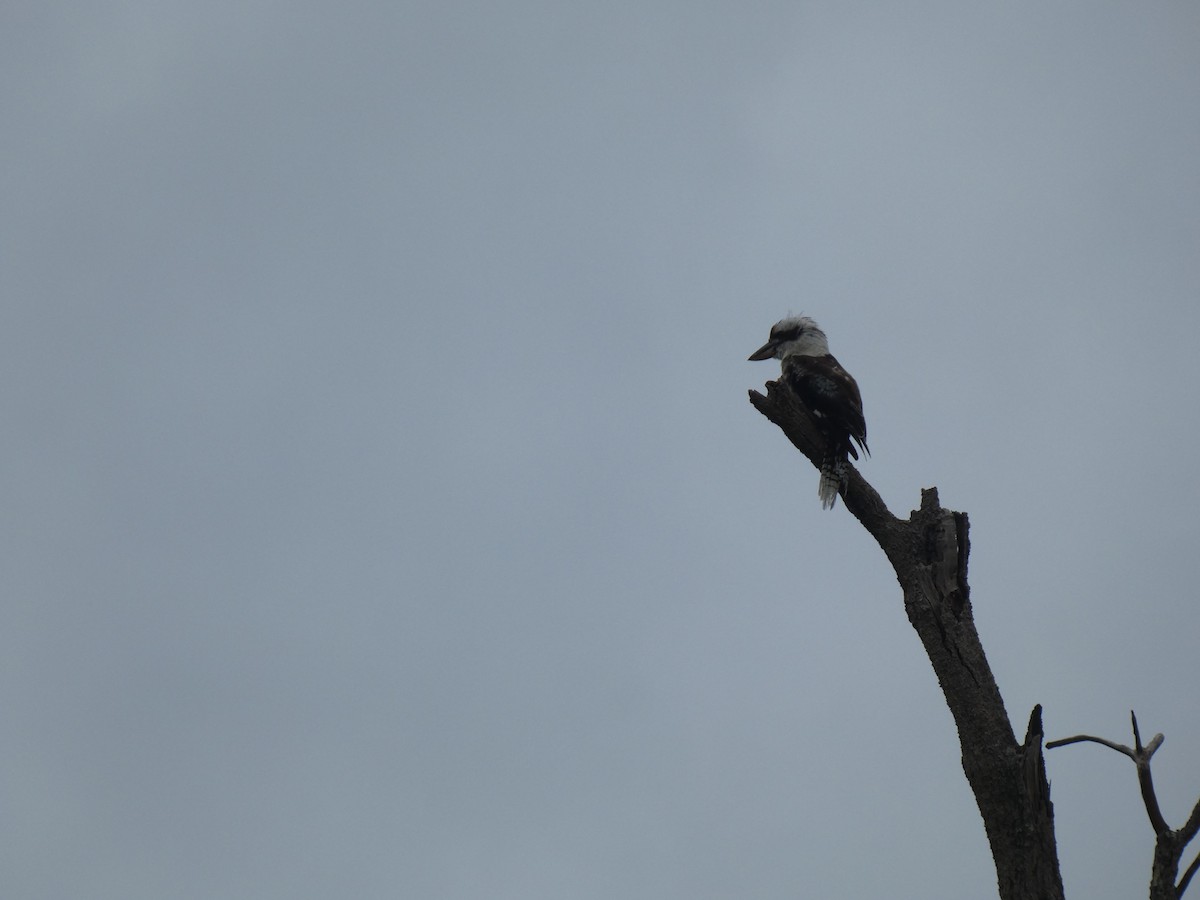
834, 476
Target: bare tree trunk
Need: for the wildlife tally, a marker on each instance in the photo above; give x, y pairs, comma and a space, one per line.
929, 553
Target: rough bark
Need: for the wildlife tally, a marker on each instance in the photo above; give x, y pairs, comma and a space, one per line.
928, 551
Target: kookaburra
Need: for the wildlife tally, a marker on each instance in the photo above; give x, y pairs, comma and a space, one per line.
829, 392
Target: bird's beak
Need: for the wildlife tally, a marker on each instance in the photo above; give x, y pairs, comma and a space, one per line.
766, 351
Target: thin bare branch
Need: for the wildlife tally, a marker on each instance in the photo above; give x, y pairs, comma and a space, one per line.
1187, 876
1146, 783
1184, 835
1192, 826
1169, 845
1120, 748
1141, 758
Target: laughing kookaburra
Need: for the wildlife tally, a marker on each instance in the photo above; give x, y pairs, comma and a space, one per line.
829, 392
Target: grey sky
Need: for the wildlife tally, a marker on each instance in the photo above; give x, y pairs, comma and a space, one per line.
383, 513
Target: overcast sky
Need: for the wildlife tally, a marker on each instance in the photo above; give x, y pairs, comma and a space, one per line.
383, 514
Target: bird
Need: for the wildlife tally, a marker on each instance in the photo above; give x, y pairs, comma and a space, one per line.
828, 391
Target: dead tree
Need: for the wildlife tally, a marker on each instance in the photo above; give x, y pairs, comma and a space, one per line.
929, 552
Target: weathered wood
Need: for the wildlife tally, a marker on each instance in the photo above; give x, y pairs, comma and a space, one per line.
929, 553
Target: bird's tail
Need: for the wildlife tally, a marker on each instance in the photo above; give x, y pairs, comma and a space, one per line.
834, 476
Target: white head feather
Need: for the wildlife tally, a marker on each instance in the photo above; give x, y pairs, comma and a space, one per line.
798, 336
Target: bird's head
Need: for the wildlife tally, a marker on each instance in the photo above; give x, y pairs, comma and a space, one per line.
793, 336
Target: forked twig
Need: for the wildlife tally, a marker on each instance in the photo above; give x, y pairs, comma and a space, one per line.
1170, 844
